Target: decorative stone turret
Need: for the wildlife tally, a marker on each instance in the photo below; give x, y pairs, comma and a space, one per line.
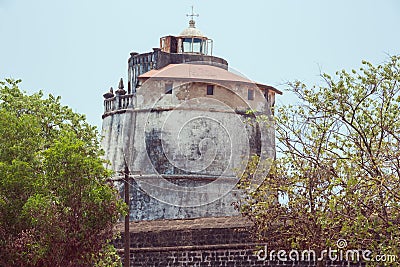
109, 94
121, 90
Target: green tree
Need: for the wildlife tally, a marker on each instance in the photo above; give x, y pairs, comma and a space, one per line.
337, 170
56, 205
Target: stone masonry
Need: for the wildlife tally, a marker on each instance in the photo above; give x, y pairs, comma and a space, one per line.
218, 241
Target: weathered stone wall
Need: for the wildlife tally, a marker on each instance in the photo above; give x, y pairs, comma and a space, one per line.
184, 149
145, 207
225, 256
218, 241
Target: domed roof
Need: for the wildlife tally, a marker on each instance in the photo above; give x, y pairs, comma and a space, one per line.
200, 73
191, 31
197, 72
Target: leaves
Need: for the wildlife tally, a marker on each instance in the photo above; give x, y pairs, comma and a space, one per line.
56, 205
338, 164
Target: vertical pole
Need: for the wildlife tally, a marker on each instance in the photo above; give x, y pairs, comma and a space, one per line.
127, 239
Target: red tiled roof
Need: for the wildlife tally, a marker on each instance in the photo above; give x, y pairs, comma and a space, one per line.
199, 73
194, 71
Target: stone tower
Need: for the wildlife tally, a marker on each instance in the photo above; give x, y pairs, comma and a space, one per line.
185, 126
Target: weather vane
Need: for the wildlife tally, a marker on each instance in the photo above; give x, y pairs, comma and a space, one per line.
193, 14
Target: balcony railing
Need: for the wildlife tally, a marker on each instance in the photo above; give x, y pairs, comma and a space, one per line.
118, 102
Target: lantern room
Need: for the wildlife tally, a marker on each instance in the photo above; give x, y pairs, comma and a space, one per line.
190, 41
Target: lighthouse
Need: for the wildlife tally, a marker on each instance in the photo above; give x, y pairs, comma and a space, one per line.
185, 127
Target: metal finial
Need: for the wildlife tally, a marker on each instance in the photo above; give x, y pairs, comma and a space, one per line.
191, 21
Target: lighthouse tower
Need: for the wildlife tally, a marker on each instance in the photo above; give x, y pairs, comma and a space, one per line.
185, 127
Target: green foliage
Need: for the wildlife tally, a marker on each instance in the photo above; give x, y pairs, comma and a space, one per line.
338, 167
56, 205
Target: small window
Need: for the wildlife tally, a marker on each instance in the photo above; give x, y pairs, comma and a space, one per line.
163, 42
250, 94
196, 45
210, 89
266, 95
187, 45
168, 88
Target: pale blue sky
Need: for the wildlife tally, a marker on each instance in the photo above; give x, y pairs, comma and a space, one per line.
78, 49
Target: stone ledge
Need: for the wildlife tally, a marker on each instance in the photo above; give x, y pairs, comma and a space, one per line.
193, 248
186, 224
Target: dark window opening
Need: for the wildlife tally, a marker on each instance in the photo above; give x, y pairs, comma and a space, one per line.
210, 89
266, 95
250, 94
168, 88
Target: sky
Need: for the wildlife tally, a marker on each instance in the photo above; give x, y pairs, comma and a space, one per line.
78, 49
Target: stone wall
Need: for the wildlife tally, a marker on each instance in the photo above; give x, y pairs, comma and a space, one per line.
186, 152
239, 257
217, 241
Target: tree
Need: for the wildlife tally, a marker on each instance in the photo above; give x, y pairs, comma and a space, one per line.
56, 205
337, 170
